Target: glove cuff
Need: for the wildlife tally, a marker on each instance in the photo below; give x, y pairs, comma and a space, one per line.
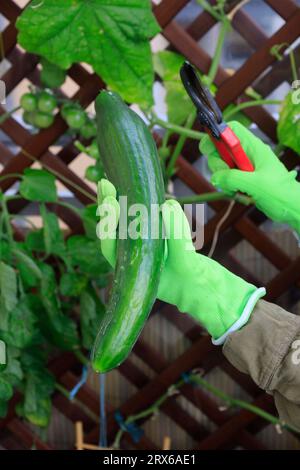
243, 319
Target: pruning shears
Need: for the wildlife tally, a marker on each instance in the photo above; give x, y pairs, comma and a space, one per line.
211, 119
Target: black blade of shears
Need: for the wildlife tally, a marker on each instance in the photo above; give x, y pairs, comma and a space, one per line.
208, 112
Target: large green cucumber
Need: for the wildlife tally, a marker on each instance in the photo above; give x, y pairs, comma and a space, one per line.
131, 163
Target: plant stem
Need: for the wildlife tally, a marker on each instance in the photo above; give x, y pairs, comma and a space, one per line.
243, 199
82, 148
248, 104
10, 175
165, 139
275, 51
62, 390
293, 65
69, 206
252, 93
210, 9
8, 114
234, 11
278, 149
6, 221
175, 129
213, 196
147, 412
81, 357
179, 146
225, 26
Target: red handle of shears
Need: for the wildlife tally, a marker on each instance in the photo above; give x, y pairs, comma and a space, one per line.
231, 150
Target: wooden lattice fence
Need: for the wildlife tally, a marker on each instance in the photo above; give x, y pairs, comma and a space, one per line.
264, 73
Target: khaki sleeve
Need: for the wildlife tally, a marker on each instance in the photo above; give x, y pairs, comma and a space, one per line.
268, 349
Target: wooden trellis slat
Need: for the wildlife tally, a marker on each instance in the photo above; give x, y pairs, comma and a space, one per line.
22, 432
199, 398
284, 9
284, 279
224, 433
241, 21
244, 223
173, 410
258, 62
10, 10
5, 155
166, 10
280, 72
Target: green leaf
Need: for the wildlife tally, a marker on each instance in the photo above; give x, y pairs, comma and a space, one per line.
46, 229
167, 65
36, 409
53, 237
288, 129
6, 390
110, 35
35, 241
38, 389
91, 311
5, 251
3, 356
21, 326
29, 270
86, 255
27, 277
90, 221
33, 358
13, 372
51, 75
58, 328
72, 284
38, 185
3, 409
8, 286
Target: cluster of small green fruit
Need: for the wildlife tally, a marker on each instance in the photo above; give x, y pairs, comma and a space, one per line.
95, 172
39, 111
39, 108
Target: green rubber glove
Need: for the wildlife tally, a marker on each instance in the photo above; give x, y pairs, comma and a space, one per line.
273, 188
219, 300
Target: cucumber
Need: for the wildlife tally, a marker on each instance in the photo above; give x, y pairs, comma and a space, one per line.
130, 160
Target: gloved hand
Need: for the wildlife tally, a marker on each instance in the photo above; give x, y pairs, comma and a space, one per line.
219, 300
273, 188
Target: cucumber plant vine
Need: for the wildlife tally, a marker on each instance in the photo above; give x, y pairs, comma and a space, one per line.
50, 296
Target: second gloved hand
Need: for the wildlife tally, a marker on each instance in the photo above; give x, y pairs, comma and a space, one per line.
273, 188
197, 285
